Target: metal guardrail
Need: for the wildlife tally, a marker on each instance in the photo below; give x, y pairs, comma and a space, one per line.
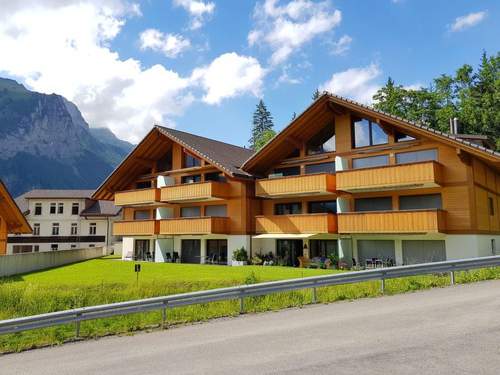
238, 292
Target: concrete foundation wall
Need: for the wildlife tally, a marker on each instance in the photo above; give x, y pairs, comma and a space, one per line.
28, 262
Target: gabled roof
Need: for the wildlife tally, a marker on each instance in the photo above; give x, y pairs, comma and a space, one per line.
101, 208
58, 194
226, 157
481, 152
10, 212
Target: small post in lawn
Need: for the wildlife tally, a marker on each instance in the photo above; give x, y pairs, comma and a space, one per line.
137, 269
242, 303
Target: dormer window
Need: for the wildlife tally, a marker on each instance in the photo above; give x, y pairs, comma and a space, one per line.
322, 142
367, 133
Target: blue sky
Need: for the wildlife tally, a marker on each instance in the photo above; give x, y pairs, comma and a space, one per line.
202, 65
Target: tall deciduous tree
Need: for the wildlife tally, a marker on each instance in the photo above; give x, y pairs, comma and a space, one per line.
261, 125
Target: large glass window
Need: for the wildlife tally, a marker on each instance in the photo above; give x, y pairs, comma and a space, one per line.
217, 251
322, 142
328, 167
322, 248
367, 133
323, 207
216, 210
288, 171
370, 162
288, 208
417, 202
191, 179
416, 156
373, 204
191, 211
191, 161
165, 163
215, 176
142, 215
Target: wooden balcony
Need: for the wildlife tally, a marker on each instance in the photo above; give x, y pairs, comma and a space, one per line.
195, 225
137, 197
402, 176
418, 221
295, 224
199, 191
312, 184
135, 228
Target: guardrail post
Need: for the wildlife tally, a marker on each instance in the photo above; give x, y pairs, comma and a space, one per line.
382, 285
77, 326
314, 295
452, 277
242, 305
164, 315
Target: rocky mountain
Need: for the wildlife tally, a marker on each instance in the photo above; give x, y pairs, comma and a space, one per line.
46, 143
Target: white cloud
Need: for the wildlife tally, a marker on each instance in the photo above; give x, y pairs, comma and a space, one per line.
229, 75
171, 45
469, 20
63, 46
341, 46
198, 10
286, 28
356, 83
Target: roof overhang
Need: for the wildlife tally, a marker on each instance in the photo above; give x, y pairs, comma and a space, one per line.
16, 221
284, 236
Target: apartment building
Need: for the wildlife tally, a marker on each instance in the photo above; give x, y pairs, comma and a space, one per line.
12, 219
342, 179
64, 219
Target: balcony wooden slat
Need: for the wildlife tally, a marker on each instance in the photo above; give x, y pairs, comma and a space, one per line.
296, 224
195, 225
201, 191
135, 228
419, 221
322, 183
415, 175
136, 197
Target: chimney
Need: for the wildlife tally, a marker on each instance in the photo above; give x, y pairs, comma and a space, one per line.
454, 126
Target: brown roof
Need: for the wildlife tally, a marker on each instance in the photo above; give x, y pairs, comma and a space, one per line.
101, 208
11, 213
58, 193
479, 150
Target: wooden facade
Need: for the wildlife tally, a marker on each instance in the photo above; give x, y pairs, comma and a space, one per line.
195, 225
295, 224
137, 197
304, 185
202, 191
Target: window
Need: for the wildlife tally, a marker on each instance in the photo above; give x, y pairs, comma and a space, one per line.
416, 156
143, 185
36, 229
36, 248
288, 208
322, 248
55, 229
91, 245
215, 176
401, 137
18, 249
417, 202
52, 208
60, 208
54, 246
75, 209
373, 204
165, 163
322, 142
367, 133
190, 211
191, 161
328, 167
370, 162
92, 229
217, 210
74, 229
491, 207
38, 209
288, 171
323, 207
142, 215
73, 246
191, 179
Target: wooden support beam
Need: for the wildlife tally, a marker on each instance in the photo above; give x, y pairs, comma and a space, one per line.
464, 156
338, 110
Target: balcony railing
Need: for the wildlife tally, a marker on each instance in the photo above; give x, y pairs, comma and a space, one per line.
312, 184
135, 228
195, 225
415, 175
418, 221
202, 191
292, 224
137, 197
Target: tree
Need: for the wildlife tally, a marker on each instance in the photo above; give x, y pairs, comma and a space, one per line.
262, 122
294, 116
316, 94
472, 97
263, 139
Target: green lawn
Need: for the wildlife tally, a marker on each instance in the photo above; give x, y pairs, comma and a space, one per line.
110, 280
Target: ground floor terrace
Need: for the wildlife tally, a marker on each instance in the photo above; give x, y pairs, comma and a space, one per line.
303, 250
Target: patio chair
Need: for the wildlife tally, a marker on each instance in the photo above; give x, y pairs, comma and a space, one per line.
175, 257
168, 258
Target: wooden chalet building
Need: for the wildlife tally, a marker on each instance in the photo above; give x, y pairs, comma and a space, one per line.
342, 178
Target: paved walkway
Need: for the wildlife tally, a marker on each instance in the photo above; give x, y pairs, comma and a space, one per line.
454, 330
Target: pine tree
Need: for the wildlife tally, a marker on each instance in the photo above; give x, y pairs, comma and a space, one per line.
316, 94
262, 122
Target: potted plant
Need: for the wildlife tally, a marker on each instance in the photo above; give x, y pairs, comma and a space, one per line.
334, 260
240, 257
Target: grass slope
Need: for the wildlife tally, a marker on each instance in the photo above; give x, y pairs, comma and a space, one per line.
108, 280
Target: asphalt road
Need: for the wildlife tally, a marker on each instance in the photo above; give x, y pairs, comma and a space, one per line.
454, 330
